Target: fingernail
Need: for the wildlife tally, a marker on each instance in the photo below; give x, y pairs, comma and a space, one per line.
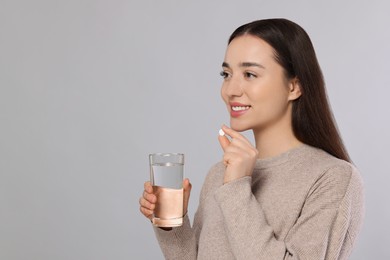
221, 132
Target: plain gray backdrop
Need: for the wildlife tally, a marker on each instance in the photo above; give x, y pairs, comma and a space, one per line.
89, 88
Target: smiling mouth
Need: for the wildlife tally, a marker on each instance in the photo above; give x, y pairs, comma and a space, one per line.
240, 108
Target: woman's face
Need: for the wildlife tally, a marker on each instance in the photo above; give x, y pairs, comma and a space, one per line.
255, 89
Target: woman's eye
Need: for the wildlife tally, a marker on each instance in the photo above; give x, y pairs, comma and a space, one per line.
249, 75
224, 74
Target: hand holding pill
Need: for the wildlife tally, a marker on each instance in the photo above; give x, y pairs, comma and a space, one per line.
239, 154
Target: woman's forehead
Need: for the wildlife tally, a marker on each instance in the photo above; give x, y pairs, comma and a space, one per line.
248, 49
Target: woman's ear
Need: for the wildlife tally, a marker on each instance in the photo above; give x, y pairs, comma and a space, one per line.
294, 89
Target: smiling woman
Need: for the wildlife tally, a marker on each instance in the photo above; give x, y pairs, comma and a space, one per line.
256, 91
295, 194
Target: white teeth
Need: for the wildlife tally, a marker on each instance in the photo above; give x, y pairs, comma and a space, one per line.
240, 108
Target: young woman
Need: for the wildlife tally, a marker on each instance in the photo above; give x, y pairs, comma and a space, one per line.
295, 195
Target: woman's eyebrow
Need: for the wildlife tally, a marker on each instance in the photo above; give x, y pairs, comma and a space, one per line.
244, 64
225, 64
251, 64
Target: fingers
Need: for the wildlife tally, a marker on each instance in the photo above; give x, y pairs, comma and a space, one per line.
237, 144
146, 212
187, 186
148, 187
234, 134
148, 201
224, 142
239, 154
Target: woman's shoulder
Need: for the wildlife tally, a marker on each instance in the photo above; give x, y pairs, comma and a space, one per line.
331, 170
324, 161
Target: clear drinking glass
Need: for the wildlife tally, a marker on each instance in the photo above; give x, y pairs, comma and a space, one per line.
166, 176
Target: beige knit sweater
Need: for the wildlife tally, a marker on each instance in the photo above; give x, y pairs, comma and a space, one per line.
302, 204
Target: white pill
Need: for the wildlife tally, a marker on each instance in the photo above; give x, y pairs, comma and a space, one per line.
221, 132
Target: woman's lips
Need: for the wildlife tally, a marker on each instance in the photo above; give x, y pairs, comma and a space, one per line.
238, 109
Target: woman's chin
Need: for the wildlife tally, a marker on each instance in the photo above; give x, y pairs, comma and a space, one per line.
236, 126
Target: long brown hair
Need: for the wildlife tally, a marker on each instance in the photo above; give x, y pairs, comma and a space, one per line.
312, 119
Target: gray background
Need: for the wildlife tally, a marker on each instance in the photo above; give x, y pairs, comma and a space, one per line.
89, 88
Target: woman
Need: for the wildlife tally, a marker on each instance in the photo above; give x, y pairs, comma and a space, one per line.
295, 195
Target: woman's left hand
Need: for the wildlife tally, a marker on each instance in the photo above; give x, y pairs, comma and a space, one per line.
239, 155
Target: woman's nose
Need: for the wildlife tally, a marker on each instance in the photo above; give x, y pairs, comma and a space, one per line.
233, 87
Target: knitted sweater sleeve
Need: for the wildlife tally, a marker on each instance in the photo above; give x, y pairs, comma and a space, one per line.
178, 243
326, 228
181, 243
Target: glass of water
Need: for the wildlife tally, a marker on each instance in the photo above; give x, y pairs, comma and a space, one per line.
166, 176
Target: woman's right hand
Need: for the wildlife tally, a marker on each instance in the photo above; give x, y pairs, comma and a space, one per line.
148, 200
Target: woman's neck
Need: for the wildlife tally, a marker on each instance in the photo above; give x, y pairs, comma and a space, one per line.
272, 142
